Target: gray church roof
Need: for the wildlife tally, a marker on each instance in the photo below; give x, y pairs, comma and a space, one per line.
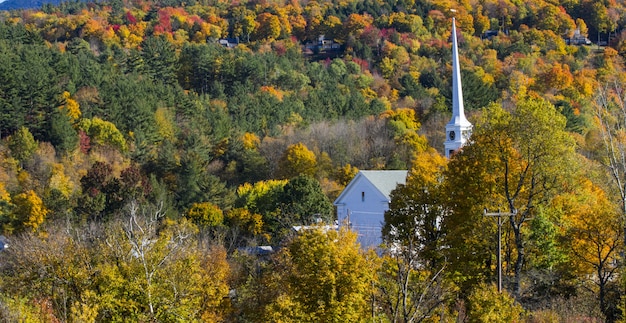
385, 180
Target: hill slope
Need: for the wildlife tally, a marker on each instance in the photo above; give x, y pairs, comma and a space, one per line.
25, 4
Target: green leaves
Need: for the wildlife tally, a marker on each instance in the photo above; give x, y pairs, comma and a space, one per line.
22, 144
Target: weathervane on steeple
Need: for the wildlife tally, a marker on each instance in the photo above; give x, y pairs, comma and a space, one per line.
458, 130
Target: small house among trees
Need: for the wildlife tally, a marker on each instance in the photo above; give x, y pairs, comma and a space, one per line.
363, 203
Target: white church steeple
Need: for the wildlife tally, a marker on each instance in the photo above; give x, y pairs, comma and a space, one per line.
458, 130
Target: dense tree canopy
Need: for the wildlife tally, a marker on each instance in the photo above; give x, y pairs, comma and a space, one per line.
147, 148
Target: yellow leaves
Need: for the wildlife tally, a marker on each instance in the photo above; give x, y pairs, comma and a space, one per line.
71, 107
345, 174
368, 93
585, 82
252, 193
207, 30
427, 168
180, 17
610, 53
92, 28
394, 95
298, 24
268, 26
109, 37
403, 123
205, 214
123, 32
277, 93
404, 117
5, 202
297, 159
22, 144
250, 141
61, 182
86, 311
324, 277
24, 179
38, 15
285, 310
400, 54
4, 194
214, 271
29, 212
486, 304
103, 132
519, 83
180, 37
131, 36
558, 77
356, 23
164, 118
249, 222
591, 230
294, 120
388, 67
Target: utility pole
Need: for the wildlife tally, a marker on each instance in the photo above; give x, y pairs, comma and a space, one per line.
499, 215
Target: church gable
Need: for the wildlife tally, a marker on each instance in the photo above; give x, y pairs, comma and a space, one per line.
363, 203
372, 185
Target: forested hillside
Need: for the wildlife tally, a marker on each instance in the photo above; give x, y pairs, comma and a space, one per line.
147, 148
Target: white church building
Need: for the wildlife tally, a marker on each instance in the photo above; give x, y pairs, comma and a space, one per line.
363, 203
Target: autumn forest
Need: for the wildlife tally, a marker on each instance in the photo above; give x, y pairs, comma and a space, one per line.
149, 148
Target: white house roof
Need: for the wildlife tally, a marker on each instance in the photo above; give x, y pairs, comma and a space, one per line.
385, 181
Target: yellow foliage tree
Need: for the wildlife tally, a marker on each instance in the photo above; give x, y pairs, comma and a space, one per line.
585, 82
557, 77
404, 124
165, 122
356, 23
277, 93
103, 132
5, 202
268, 26
60, 181
71, 107
592, 231
402, 120
205, 214
250, 140
252, 196
345, 174
486, 304
164, 276
246, 221
29, 213
138, 269
296, 160
323, 277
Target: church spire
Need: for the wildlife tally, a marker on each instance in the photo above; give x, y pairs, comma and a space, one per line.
458, 129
